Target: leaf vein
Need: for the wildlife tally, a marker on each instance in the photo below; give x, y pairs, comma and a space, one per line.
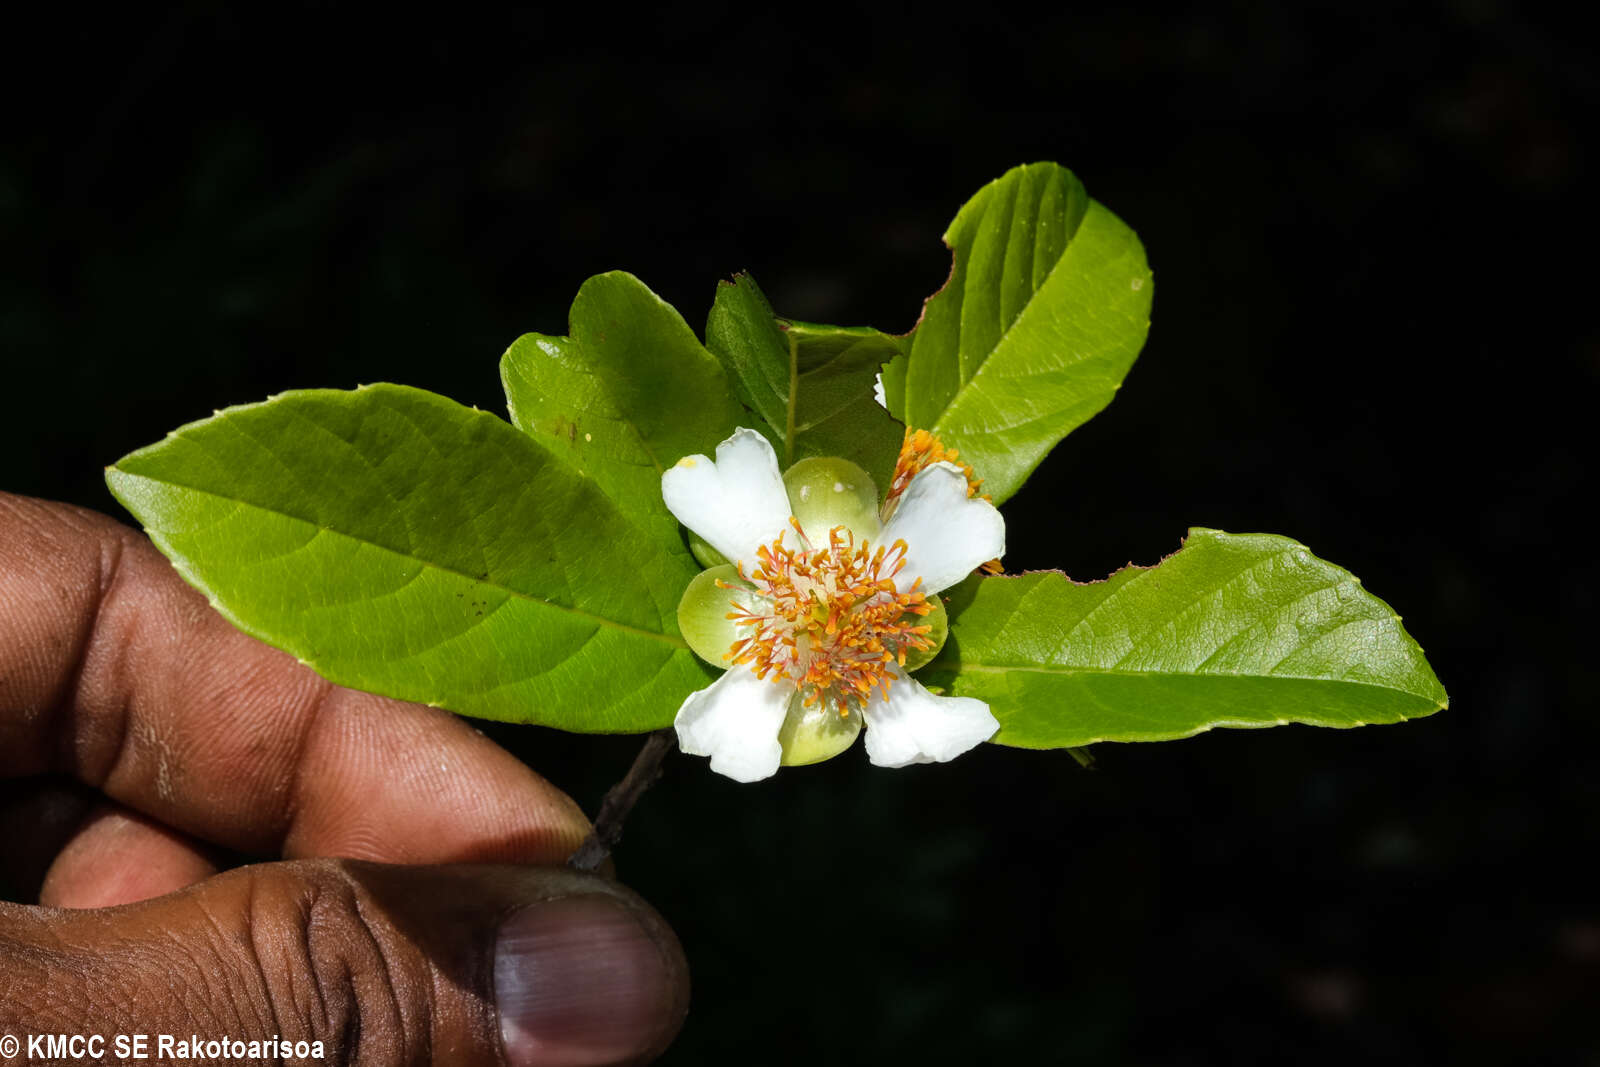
618, 625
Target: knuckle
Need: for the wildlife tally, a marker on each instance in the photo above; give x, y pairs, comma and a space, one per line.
335, 971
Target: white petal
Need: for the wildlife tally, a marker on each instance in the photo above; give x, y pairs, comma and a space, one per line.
736, 503
914, 726
735, 720
947, 533
879, 393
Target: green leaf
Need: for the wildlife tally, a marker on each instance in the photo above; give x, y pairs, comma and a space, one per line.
400, 543
628, 393
837, 414
1047, 306
894, 382
743, 333
809, 385
1231, 630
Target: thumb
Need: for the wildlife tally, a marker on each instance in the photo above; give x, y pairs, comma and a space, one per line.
381, 964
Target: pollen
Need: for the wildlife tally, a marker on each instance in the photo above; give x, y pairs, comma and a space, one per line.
920, 449
828, 620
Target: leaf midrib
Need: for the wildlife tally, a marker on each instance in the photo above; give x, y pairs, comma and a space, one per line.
1033, 668
622, 627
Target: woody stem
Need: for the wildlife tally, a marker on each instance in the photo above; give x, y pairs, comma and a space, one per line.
620, 799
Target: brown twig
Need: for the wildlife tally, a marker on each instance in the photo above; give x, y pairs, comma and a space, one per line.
620, 799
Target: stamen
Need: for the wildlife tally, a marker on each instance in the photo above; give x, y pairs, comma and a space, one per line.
919, 450
829, 620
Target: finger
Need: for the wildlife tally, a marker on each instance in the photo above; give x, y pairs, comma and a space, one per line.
381, 964
374, 784
65, 846
118, 856
114, 671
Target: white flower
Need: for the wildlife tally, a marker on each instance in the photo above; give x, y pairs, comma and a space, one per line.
828, 621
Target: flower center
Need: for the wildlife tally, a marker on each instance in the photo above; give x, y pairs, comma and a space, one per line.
829, 619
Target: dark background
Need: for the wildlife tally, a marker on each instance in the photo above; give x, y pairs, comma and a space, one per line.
1365, 228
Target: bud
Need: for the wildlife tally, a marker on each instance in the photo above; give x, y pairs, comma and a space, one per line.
811, 735
703, 613
703, 553
828, 492
939, 621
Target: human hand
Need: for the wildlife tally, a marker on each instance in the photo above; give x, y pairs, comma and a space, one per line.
150, 736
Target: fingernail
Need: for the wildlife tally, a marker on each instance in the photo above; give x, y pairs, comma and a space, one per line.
580, 981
